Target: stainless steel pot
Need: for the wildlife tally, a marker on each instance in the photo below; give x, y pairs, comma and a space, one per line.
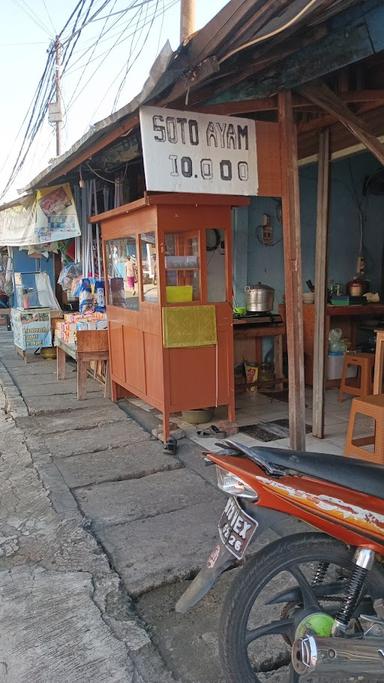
259, 298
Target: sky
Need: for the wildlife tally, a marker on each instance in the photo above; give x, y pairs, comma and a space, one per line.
94, 84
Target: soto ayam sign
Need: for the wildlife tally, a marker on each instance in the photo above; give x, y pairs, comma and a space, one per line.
191, 152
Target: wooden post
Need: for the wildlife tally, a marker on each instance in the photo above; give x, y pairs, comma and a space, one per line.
60, 358
187, 19
292, 271
319, 347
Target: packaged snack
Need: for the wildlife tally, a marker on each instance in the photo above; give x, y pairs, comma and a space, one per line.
99, 295
85, 296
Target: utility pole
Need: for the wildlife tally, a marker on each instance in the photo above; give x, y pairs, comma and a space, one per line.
55, 114
187, 19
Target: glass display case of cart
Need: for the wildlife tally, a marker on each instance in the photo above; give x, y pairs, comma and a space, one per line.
182, 267
168, 261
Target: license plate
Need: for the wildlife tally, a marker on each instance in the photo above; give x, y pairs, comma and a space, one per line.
236, 528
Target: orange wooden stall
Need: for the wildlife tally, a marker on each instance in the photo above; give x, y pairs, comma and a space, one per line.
156, 258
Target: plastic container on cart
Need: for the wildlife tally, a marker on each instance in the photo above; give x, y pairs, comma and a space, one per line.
179, 293
335, 366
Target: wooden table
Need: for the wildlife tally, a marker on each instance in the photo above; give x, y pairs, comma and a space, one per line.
249, 335
92, 345
347, 318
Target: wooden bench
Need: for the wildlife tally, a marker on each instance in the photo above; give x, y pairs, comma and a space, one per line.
92, 345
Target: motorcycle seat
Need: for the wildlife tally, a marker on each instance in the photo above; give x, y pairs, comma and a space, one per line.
349, 472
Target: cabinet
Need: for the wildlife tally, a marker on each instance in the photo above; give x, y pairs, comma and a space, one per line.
169, 311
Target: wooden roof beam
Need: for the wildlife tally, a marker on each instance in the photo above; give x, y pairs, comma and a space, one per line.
327, 120
248, 106
319, 93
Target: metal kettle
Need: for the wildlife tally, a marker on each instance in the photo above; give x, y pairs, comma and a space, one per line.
259, 298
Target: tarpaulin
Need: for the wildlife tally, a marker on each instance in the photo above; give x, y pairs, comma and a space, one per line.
48, 216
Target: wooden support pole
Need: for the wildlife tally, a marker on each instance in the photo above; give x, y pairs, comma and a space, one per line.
319, 350
319, 93
292, 271
187, 19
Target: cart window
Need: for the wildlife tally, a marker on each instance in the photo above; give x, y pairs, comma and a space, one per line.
216, 282
182, 266
122, 273
149, 282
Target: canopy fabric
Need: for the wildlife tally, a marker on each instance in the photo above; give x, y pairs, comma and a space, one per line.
47, 216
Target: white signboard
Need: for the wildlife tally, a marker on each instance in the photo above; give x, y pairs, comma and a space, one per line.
190, 152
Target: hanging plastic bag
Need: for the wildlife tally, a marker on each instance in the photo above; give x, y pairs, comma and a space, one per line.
69, 272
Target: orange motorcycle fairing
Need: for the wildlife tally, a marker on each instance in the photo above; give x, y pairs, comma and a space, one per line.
353, 517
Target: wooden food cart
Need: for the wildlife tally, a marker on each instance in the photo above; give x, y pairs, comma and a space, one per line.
169, 312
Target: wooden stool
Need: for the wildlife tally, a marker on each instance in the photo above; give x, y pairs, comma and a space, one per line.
364, 362
370, 406
379, 363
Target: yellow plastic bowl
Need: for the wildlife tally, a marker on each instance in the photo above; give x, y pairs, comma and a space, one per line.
179, 293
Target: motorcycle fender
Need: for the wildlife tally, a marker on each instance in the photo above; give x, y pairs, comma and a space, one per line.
219, 560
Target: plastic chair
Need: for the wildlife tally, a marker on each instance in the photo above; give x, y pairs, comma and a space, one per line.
373, 407
364, 362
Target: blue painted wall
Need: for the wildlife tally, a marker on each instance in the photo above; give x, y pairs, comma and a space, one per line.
346, 198
347, 178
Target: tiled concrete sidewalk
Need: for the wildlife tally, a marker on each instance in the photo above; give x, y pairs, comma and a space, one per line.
154, 516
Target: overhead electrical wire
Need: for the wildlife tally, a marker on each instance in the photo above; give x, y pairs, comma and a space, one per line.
130, 62
49, 16
84, 13
93, 47
100, 38
135, 38
69, 48
170, 4
107, 53
33, 16
38, 108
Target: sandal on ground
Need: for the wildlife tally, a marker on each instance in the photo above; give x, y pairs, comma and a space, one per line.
211, 432
170, 446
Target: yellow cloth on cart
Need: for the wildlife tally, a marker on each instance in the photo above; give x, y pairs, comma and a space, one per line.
185, 326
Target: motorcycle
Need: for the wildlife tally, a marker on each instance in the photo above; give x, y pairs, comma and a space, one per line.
320, 591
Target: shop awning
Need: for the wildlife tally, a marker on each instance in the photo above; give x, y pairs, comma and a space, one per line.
48, 215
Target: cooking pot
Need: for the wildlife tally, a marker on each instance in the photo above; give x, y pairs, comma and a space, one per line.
357, 287
259, 298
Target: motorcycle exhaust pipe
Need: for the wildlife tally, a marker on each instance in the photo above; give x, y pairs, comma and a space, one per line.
338, 655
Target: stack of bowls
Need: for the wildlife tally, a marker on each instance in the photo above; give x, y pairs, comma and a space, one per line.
308, 297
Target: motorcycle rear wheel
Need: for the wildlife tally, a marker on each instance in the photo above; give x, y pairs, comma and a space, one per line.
283, 557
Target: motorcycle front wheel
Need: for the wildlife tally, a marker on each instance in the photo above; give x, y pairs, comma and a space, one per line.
273, 595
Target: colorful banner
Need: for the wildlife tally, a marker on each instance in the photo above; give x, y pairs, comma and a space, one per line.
49, 216
31, 328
